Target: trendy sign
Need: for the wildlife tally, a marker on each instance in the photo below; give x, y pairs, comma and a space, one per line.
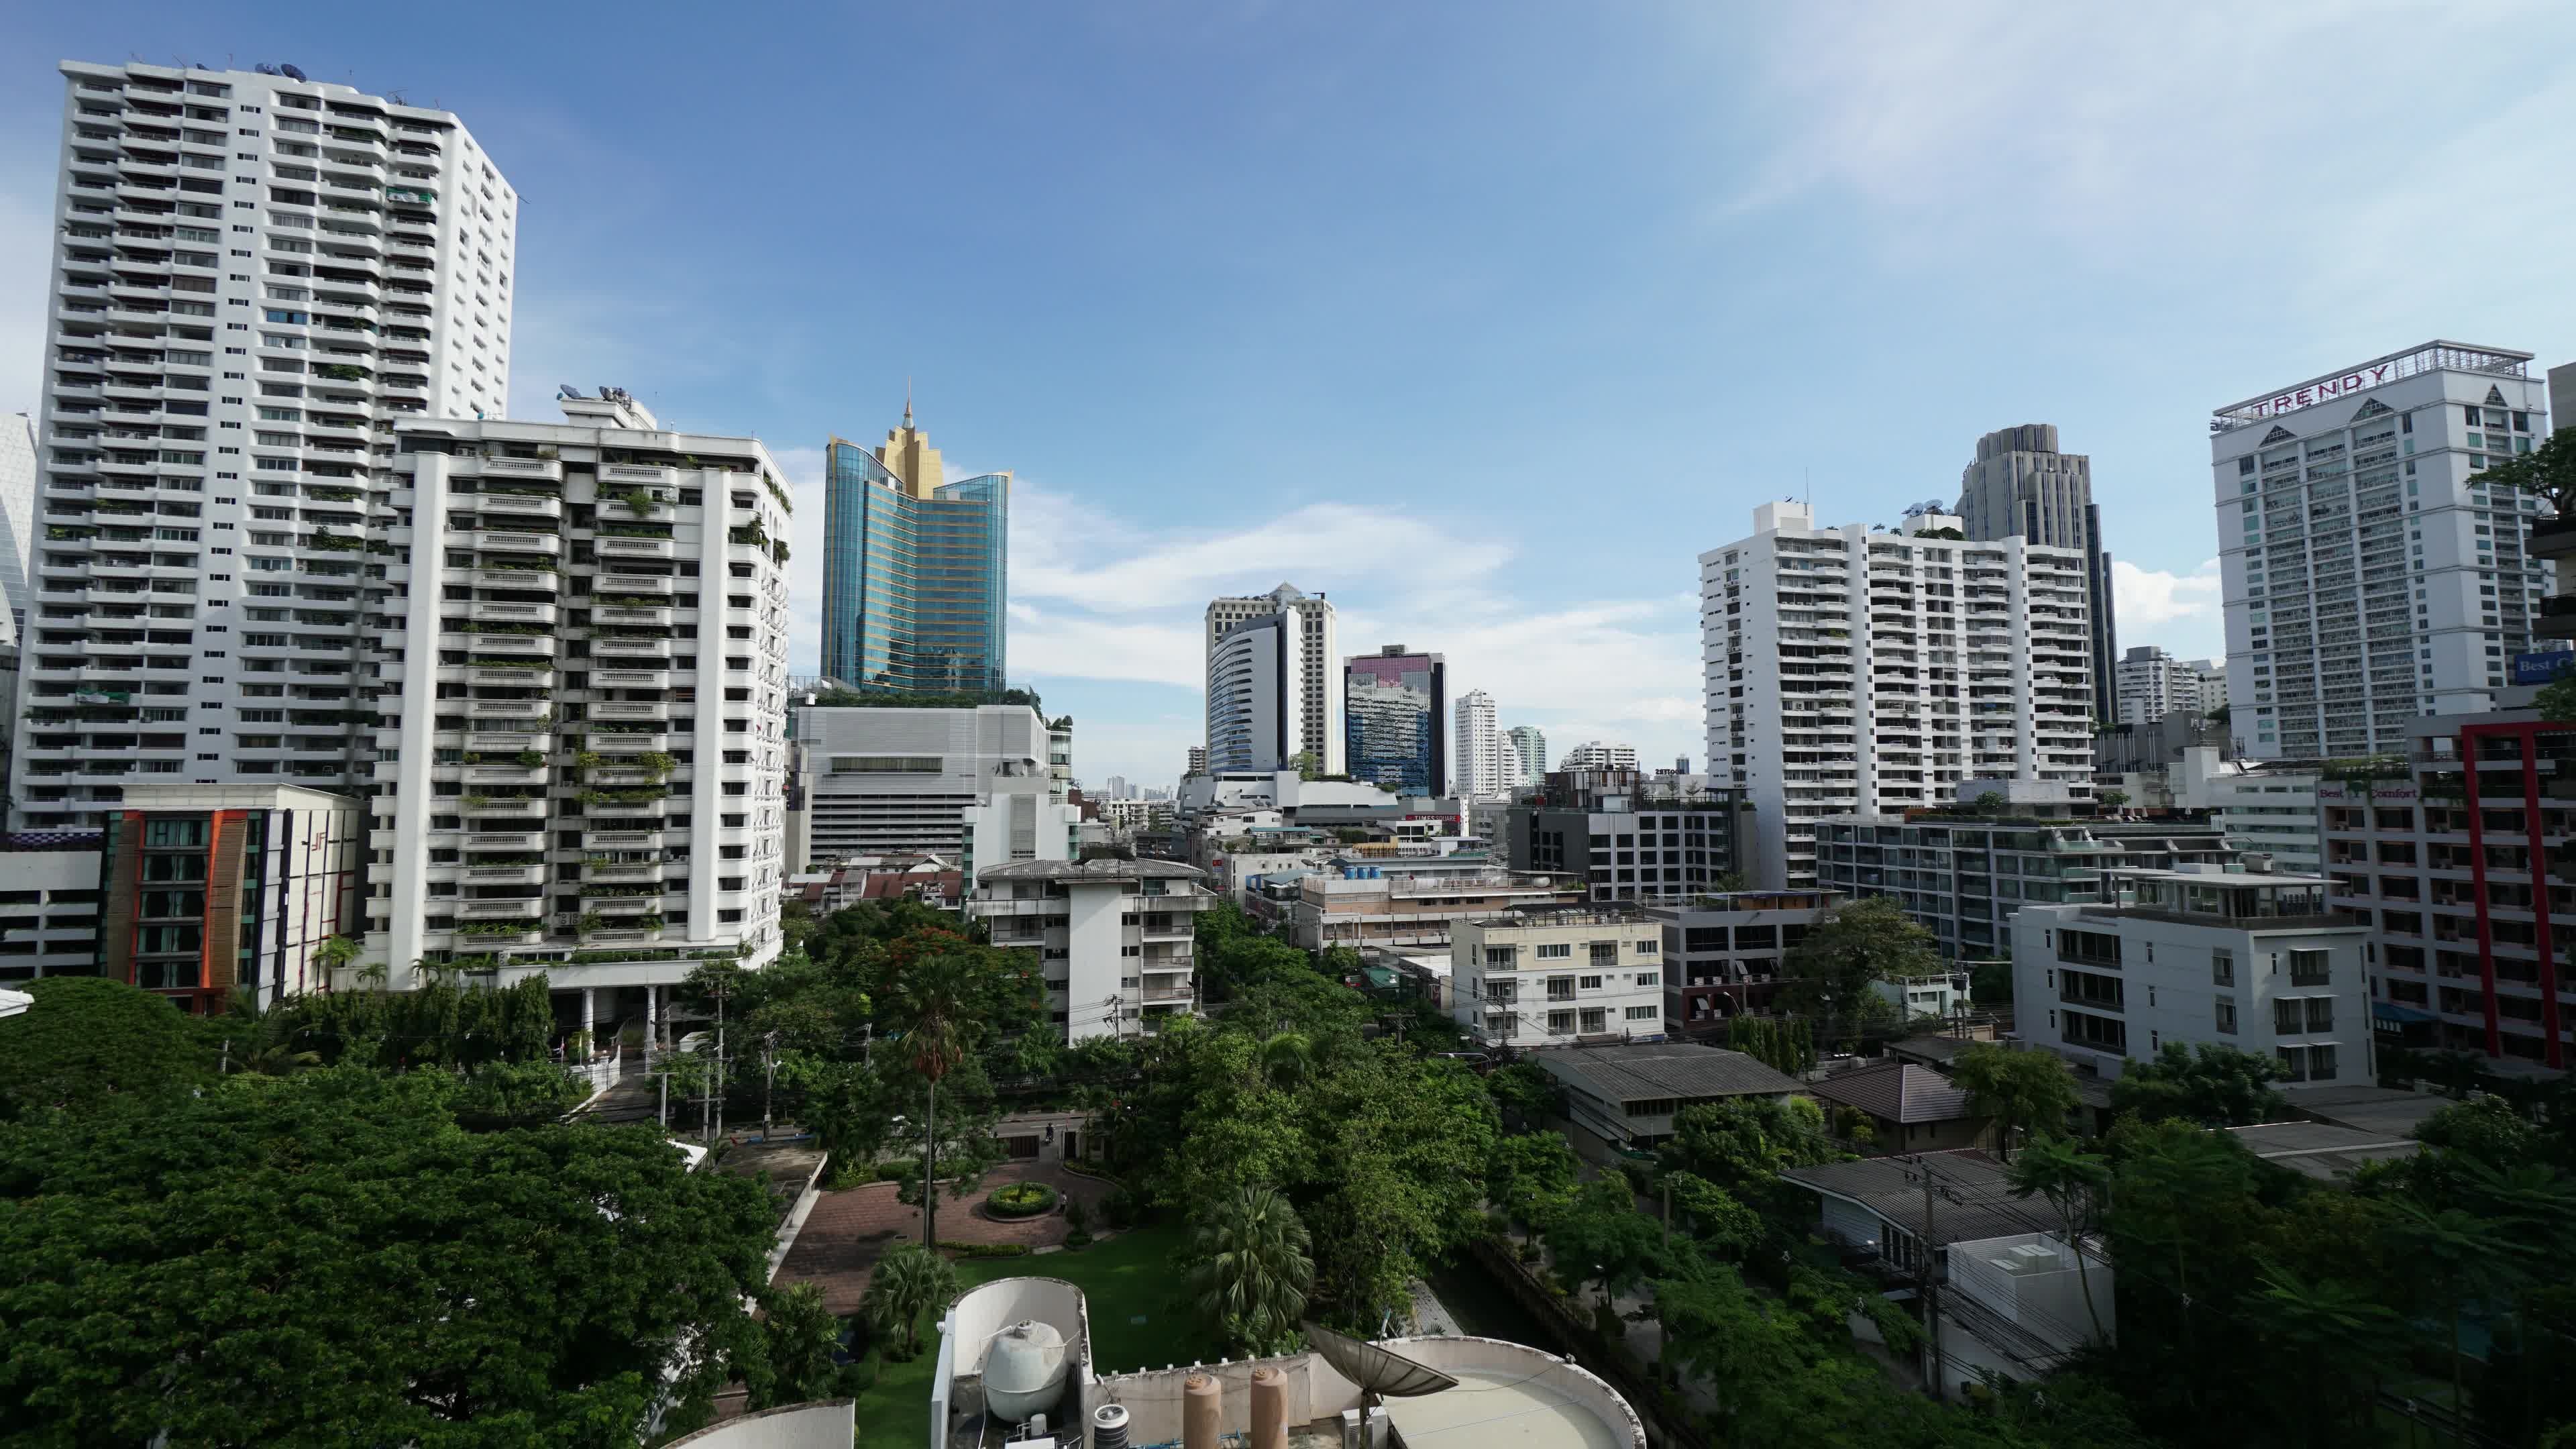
2358, 380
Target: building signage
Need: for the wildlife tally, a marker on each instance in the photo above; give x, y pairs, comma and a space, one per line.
2542, 667
2328, 389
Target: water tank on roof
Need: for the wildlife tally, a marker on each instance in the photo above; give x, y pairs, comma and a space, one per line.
1024, 1370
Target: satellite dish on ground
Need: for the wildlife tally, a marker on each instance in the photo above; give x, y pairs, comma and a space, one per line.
1376, 1370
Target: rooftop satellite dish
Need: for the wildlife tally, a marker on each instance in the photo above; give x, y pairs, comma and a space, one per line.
290, 72
565, 389
1376, 1370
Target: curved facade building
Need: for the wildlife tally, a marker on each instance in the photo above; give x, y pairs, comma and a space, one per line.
915, 569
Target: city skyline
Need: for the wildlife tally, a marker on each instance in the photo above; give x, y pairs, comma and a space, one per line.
1467, 370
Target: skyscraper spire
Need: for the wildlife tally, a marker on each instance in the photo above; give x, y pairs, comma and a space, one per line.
907, 399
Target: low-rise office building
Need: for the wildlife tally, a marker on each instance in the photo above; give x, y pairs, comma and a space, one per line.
1554, 978
1723, 953
2260, 963
1625, 838
1114, 937
1962, 877
880, 781
1398, 900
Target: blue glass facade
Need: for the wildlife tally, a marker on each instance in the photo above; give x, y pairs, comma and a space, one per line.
1392, 708
914, 589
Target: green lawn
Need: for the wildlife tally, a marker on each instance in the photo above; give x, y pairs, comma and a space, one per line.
1130, 1284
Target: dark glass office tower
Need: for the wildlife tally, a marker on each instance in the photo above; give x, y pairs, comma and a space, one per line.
1393, 706
2021, 486
915, 569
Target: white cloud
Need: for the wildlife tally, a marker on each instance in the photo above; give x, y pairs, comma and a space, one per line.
2182, 612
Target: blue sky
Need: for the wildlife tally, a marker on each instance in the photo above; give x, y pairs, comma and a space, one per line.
1483, 319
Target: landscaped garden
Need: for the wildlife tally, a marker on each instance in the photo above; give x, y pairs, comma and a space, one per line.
1138, 1319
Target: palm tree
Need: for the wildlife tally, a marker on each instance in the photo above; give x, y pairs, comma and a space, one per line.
1252, 1270
333, 956
2072, 1181
907, 1282
2459, 1256
2332, 1324
1286, 1057
933, 1010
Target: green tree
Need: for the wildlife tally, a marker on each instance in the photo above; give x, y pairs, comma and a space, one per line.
88, 1040
1713, 1216
1742, 1145
1250, 1271
799, 1334
932, 1004
2215, 1086
1306, 765
910, 1281
2333, 1329
2026, 1091
1829, 974
1602, 1239
232, 1268
1528, 1090
1532, 1177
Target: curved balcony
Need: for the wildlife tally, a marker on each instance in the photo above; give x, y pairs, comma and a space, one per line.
530, 710
489, 807
506, 541
516, 908
633, 583
498, 836
624, 677
622, 905
611, 546
623, 870
528, 506
622, 839
532, 645
656, 614
516, 678
511, 611
503, 875
522, 468
631, 709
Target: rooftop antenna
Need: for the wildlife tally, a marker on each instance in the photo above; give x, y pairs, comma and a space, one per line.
907, 399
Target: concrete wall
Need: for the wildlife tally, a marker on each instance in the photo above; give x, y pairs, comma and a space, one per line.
826, 1424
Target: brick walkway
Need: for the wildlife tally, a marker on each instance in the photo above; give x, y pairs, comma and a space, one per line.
849, 1231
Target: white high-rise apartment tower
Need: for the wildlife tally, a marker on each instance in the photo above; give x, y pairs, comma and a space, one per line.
2154, 684
1274, 682
17, 521
253, 277
1530, 742
580, 745
1600, 755
1477, 752
2370, 576
1851, 671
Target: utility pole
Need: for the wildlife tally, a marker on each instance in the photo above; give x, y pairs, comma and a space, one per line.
769, 1087
715, 1087
1931, 1285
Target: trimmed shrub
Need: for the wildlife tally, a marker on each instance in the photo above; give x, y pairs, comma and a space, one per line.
987, 1250
1021, 1200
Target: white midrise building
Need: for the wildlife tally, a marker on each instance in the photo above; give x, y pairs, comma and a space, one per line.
1116, 939
581, 742
2154, 684
2256, 962
2370, 576
1554, 978
1274, 682
1481, 751
1857, 672
253, 277
1599, 755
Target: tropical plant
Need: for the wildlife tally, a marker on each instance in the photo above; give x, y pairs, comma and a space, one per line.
2074, 1182
1251, 1270
2029, 1091
933, 1005
909, 1281
800, 1335
2213, 1085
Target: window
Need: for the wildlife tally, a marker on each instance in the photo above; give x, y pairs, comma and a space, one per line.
1596, 1019
2320, 1013
2309, 1063
2308, 968
1560, 1023
1650, 978
2222, 968
1605, 953
1499, 956
1590, 983
1560, 988
1646, 947
1645, 1013
2227, 1015
1554, 950
2287, 1018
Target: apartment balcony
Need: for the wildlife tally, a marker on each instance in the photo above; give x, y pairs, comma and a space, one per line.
628, 678
480, 808
623, 870
611, 547
658, 614
502, 541
629, 709
614, 906
501, 836
545, 580
516, 908
484, 875
530, 710
516, 678
622, 839
509, 774
511, 611
515, 506
613, 583
531, 646
642, 653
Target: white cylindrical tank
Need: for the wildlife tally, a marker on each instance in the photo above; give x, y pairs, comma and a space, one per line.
1024, 1370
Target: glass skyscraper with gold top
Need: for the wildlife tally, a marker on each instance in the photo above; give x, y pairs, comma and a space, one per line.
915, 568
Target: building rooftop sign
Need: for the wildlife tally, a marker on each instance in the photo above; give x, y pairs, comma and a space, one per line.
2362, 377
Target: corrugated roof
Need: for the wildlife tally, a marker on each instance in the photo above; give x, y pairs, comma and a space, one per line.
1971, 1199
1898, 1092
1650, 1070
2314, 1149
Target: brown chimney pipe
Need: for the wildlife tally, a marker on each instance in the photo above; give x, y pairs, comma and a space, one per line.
1202, 1412
1269, 1408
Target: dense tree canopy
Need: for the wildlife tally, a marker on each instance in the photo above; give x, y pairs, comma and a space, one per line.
2215, 1086
88, 1040
1830, 974
329, 1257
